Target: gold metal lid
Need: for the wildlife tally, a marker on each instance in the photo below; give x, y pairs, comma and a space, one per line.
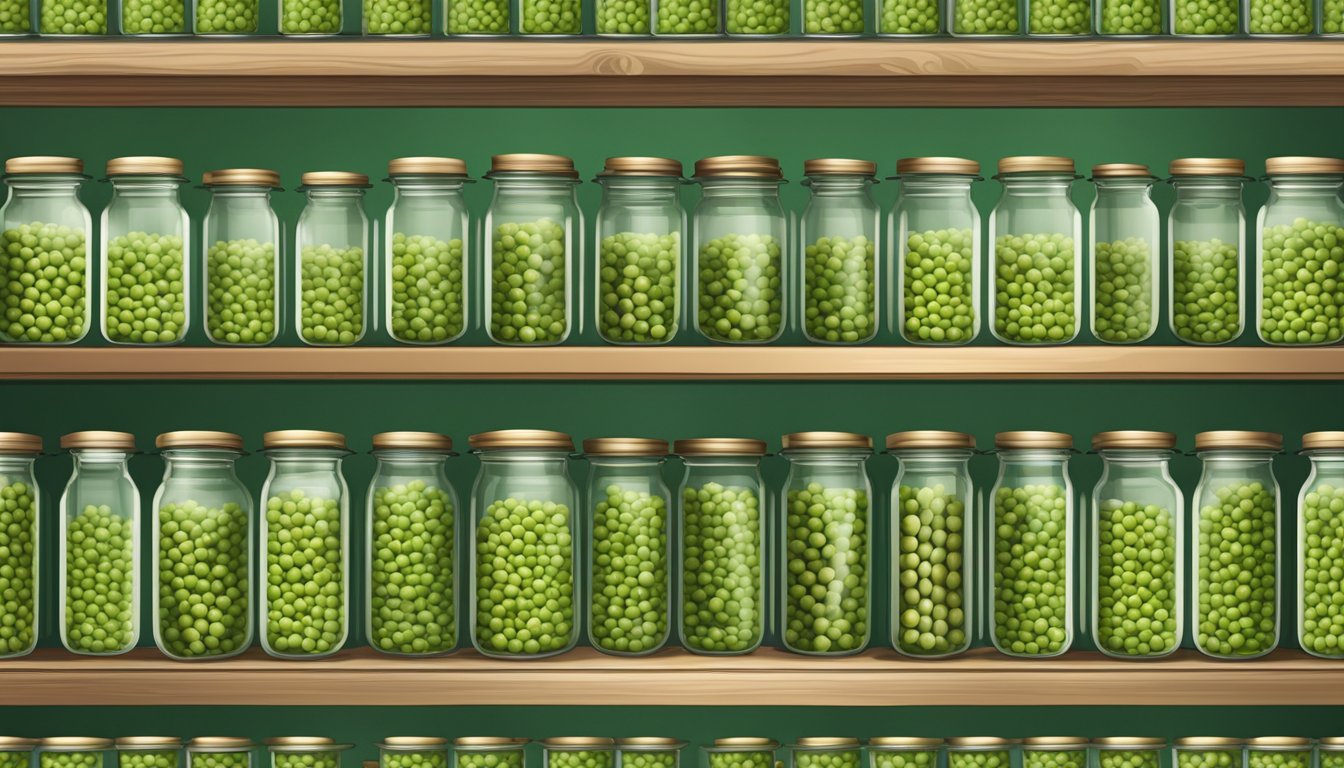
241, 177
1275, 166
199, 439
1318, 440
650, 743
929, 438
302, 438
149, 742
739, 166
1130, 742
220, 744
1036, 164
426, 166
20, 442
979, 742
413, 743
904, 742
1209, 742
147, 165
304, 744
1331, 743
719, 446
1033, 439
641, 166
1234, 438
334, 179
414, 441
805, 440
1121, 171
75, 743
44, 164
116, 441
490, 742
558, 165
578, 742
1133, 438
839, 166
625, 446
959, 166
745, 743
1055, 743
502, 439
1279, 743
819, 742
17, 744
1207, 166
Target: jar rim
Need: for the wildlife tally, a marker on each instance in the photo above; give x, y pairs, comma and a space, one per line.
1036, 164
1028, 439
1121, 171
148, 742
1301, 165
839, 166
1133, 439
744, 744
19, 443
570, 743
305, 744
904, 742
1278, 743
303, 438
826, 742
1214, 742
491, 742
625, 446
1238, 440
412, 743
1313, 441
1207, 166
800, 441
719, 446
930, 438
18, 744
506, 439
739, 167
95, 439
220, 744
75, 744
328, 179
1130, 742
1055, 743
650, 743
979, 742
533, 162
418, 441
426, 166
641, 166
951, 166
199, 439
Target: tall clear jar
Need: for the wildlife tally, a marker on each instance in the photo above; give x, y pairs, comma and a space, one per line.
827, 524
640, 227
1320, 547
1137, 543
741, 239
722, 547
1059, 18
904, 752
151, 18
424, 251
1129, 752
240, 240
99, 598
1279, 752
1055, 752
146, 253
984, 18
934, 233
933, 535
148, 751
1236, 549
981, 752
578, 752
742, 752
1206, 235
305, 752
1300, 242
827, 752
489, 752
1279, 18
219, 752
687, 18
477, 18
202, 568
1211, 18
549, 18
331, 243
839, 298
623, 18
305, 541
412, 587
524, 588
1128, 18
72, 18
413, 752
1031, 545
311, 18
629, 546
44, 233
17, 752
21, 543
1207, 752
1036, 232
1125, 231
73, 752
649, 752
535, 228
226, 18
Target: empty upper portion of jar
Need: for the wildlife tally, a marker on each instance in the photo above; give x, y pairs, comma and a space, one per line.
1238, 440
755, 167
1133, 439
242, 177
513, 439
98, 440
303, 438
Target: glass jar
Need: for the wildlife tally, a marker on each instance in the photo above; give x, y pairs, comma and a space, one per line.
630, 545
305, 752
397, 18
311, 18
639, 260
71, 18
649, 752
219, 752
723, 509
1129, 752
1212, 18
1059, 18
226, 18
413, 752
623, 18
148, 751
17, 752
412, 595
99, 600
549, 18
305, 534
1124, 228
980, 752
477, 18
331, 240
240, 238
1054, 752
741, 238
839, 235
578, 752
524, 483
203, 571
757, 18
535, 228
827, 524
1300, 238
72, 752
985, 18
1206, 233
903, 752
1036, 232
1236, 551
687, 18
823, 18
1032, 545
934, 232
933, 531
1279, 752
45, 295
1279, 18
21, 543
1331, 752
1207, 752
1128, 18
742, 752
489, 752
1320, 547
425, 243
827, 752
153, 18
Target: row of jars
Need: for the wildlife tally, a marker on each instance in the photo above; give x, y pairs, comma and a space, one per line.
528, 590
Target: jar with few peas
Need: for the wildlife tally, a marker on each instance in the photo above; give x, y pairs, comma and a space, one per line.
1129, 752
839, 241
488, 752
649, 752
1300, 243
827, 752
73, 752
904, 752
1279, 752
305, 752
331, 261
981, 752
1207, 752
220, 752
1206, 236
148, 751
1055, 752
240, 241
425, 251
20, 541
1320, 547
578, 752
1124, 233
413, 752
742, 752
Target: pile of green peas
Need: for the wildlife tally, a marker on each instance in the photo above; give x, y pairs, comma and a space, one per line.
1332, 758
991, 758
310, 17
827, 758
153, 17
1054, 758
43, 286
426, 758
1129, 758
1281, 17
741, 294
826, 572
489, 758
147, 758
1332, 23
227, 17
411, 573
904, 758
1237, 608
146, 292
1031, 604
833, 17
331, 294
630, 599
307, 759
1206, 17
203, 759
478, 17
240, 292
528, 283
203, 579
551, 17
14, 20
637, 288
688, 17
1035, 288
524, 578
1206, 287
1060, 17
1136, 578
305, 576
839, 289
929, 564
741, 759
1302, 289
397, 17
1323, 559
1278, 758
623, 17
580, 758
648, 758
910, 17
1123, 291
73, 17
1208, 758
758, 17
985, 17
1131, 17
427, 298
70, 759
721, 570
99, 581
18, 579
939, 286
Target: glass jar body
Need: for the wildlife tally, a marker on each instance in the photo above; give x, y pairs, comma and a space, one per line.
55, 18
398, 18
1215, 18
1281, 18
1056, 18
148, 757
741, 239
935, 235
839, 301
1126, 18
146, 18
1300, 241
240, 240
425, 260
307, 757
311, 18
1056, 757
1207, 756
16, 20
225, 18
1036, 232
1320, 542
477, 18
45, 232
549, 18
331, 241
902, 757
827, 757
648, 757
1114, 757
146, 264
638, 279
413, 757
623, 18
1125, 230
571, 757
66, 757
216, 757
740, 757
503, 756
1206, 233
687, 18
20, 540
985, 18
981, 757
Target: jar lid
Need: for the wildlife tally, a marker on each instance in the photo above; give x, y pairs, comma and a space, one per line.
557, 165
334, 179
1316, 440
1121, 171
74, 743
302, 438
17, 744
745, 743
219, 744
739, 166
1331, 743
650, 743
951, 165
418, 441
578, 742
426, 166
973, 742
641, 166
816, 742
929, 438
19, 442
1036, 164
241, 177
1207, 166
1279, 742
625, 446
1133, 438
1208, 742
489, 741
521, 438
908, 742
199, 439
1232, 438
839, 166
44, 164
1033, 439
304, 744
149, 742
719, 446
805, 440
1130, 742
1055, 743
412, 743
1275, 166
147, 165
117, 441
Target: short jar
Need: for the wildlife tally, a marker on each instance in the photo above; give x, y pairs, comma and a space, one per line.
489, 752
413, 752
1320, 547
1124, 251
425, 251
241, 247
73, 752
839, 233
578, 752
305, 752
331, 264
1055, 752
904, 752
1206, 237
741, 752
220, 752
21, 541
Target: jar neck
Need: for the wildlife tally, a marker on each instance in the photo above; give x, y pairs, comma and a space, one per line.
409, 457
1038, 185
1306, 186
834, 185
235, 194
53, 185
17, 464
427, 186
1124, 189
199, 462
929, 458
827, 456
936, 185
628, 462
524, 456
288, 457
99, 459
647, 189
1331, 459
1208, 187
753, 462
535, 182
1238, 457
1035, 456
730, 188
164, 187
1131, 462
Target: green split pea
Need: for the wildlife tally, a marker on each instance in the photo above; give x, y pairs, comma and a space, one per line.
397, 17
1302, 297
733, 759
826, 567
147, 758
524, 578
644, 758
1236, 571
310, 17
1208, 758
1206, 17
1060, 17
44, 282
1281, 17
494, 758
1031, 590
910, 17
203, 580
1136, 578
227, 17
1206, 291
1123, 291
978, 759
1034, 284
741, 296
550, 17
427, 288
1131, 17
688, 17
99, 581
220, 759
833, 17
839, 286
721, 582
1128, 758
929, 573
478, 17
437, 758
1256, 758
18, 580
331, 294
146, 293
240, 292
70, 759
580, 758
939, 286
758, 17
637, 286
411, 572
630, 577
904, 758
307, 760
623, 17
305, 577
14, 20
985, 17
153, 17
1322, 570
528, 283
73, 17
1054, 758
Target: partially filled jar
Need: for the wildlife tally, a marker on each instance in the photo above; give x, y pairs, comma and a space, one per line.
331, 246
741, 239
241, 240
984, 18
1236, 549
219, 752
1206, 233
629, 546
158, 18
412, 541
305, 533
1320, 547
525, 579
1124, 250
413, 752
1036, 234
981, 752
1032, 545
311, 18
489, 752
827, 528
903, 752
827, 752
148, 751
1129, 752
649, 752
839, 241
1300, 242
1207, 752
425, 275
73, 752
742, 752
578, 752
17, 752
721, 549
203, 530
20, 541
305, 752
1204, 18
226, 17
99, 598
44, 233
1055, 752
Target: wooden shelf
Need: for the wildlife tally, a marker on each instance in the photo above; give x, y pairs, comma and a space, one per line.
596, 72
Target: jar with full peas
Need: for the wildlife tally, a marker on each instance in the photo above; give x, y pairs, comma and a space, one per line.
649, 752
1207, 752
1300, 242
488, 752
742, 752
982, 752
73, 752
1320, 547
305, 752
578, 752
220, 752
240, 238
904, 752
20, 540
1055, 752
1129, 752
